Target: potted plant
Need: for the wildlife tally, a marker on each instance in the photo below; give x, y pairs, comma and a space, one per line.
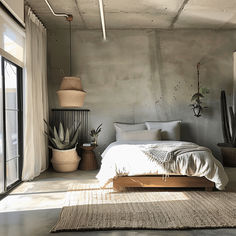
94, 134
228, 148
63, 145
197, 105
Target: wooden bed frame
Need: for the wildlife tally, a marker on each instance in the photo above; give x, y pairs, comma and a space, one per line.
173, 181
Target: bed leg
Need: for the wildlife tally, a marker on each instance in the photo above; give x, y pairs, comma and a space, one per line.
117, 187
208, 189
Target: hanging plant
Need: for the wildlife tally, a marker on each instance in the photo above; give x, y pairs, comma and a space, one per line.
197, 105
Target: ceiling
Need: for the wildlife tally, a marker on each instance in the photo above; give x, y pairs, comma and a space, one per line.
138, 14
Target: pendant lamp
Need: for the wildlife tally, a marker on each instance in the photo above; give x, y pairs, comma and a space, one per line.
71, 93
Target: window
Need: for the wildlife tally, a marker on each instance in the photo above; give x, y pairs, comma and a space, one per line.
11, 134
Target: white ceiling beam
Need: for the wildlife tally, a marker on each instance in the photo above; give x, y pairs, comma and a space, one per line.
101, 9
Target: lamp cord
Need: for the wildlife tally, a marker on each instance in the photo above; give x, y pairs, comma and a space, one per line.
198, 75
70, 47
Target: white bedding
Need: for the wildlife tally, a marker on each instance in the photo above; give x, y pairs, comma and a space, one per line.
127, 159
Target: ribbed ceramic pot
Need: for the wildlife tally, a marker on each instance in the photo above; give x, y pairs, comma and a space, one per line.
71, 83
71, 98
65, 160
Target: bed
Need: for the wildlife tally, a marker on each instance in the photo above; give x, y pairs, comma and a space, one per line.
127, 163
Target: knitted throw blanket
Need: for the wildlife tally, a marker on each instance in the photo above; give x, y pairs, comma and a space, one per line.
163, 154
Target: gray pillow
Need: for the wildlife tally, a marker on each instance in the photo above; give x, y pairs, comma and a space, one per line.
128, 127
170, 130
140, 135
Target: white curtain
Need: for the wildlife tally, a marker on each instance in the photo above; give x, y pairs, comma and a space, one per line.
36, 98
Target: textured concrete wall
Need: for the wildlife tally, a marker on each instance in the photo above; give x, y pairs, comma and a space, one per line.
140, 75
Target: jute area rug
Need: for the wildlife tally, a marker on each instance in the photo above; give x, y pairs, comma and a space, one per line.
88, 207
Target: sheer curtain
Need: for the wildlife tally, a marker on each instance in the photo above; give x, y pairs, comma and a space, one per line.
36, 98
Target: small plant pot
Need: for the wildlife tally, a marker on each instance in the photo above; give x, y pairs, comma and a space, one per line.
229, 156
71, 98
71, 83
65, 160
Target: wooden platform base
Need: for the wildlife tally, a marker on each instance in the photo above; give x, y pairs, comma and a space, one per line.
173, 181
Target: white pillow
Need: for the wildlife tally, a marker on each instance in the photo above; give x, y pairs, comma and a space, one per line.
170, 130
128, 127
140, 135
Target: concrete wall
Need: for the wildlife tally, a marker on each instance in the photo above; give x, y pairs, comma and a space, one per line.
140, 75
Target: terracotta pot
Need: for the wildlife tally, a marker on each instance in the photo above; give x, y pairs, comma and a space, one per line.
71, 98
229, 156
71, 83
65, 160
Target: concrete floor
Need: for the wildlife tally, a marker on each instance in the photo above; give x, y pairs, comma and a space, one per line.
33, 208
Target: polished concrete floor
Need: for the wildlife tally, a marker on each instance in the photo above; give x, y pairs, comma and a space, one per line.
33, 208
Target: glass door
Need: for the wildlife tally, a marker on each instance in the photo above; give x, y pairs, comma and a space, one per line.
11, 146
2, 178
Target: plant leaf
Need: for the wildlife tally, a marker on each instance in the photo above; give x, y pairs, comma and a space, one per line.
204, 90
64, 143
75, 138
48, 126
67, 137
98, 128
56, 134
59, 145
51, 140
196, 96
61, 132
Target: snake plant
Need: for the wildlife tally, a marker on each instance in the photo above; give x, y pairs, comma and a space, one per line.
63, 139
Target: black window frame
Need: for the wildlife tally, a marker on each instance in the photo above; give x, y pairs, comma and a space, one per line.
7, 189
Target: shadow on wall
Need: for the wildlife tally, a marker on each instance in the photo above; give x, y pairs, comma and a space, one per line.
187, 133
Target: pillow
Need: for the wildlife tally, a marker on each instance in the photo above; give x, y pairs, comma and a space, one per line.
170, 130
128, 127
140, 135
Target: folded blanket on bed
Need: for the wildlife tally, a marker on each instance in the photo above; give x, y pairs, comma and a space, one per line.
163, 154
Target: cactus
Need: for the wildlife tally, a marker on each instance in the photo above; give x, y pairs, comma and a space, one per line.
62, 140
228, 125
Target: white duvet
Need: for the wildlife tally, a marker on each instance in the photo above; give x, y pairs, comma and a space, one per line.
127, 159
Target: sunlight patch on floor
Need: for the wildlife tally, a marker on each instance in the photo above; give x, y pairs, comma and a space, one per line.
44, 193
88, 194
30, 202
